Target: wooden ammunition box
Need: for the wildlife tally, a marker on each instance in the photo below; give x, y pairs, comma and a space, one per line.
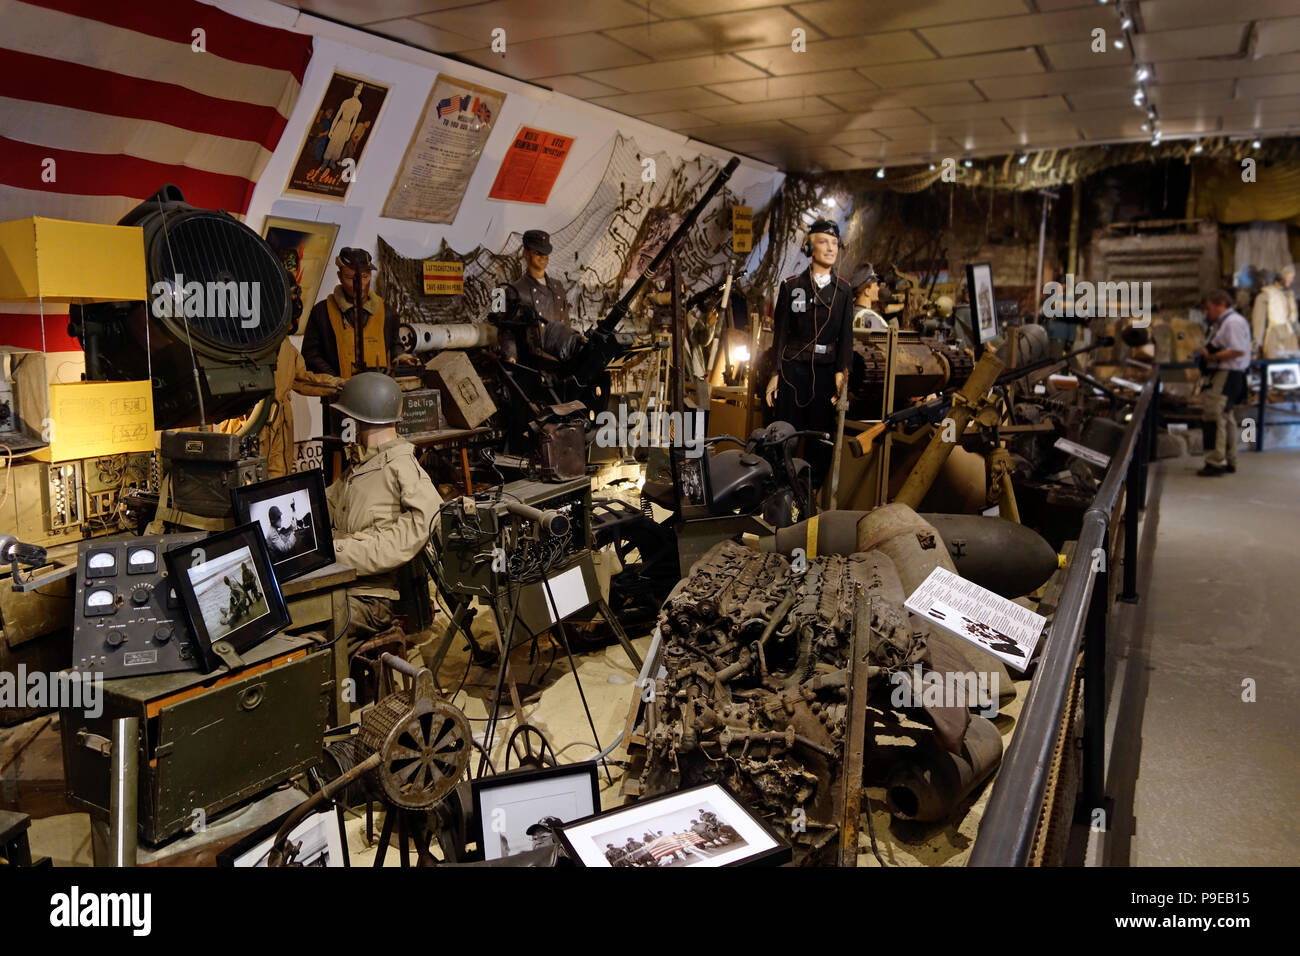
465, 400
207, 741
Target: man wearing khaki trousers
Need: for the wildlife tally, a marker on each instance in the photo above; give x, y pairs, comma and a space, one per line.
1227, 356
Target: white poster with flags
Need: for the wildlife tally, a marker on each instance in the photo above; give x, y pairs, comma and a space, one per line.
443, 152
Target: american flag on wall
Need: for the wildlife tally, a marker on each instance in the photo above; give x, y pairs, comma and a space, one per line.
116, 95
101, 103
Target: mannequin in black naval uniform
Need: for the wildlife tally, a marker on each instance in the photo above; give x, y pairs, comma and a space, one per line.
551, 333
813, 344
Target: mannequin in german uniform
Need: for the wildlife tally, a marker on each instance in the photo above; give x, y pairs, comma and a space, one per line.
551, 333
813, 344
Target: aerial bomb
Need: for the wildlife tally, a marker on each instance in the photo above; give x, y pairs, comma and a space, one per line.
927, 784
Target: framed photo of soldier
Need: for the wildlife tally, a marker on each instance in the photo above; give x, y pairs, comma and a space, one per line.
228, 590
292, 512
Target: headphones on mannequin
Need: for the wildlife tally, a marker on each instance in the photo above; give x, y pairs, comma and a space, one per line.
820, 225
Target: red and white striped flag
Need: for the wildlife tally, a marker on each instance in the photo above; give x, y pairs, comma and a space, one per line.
101, 103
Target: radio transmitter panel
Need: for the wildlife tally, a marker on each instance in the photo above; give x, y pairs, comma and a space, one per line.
128, 620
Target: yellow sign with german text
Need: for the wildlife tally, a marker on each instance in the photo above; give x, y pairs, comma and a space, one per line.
444, 278
742, 229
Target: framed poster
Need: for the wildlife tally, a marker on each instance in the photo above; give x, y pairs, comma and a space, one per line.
339, 132
983, 303
703, 826
443, 151
531, 166
303, 248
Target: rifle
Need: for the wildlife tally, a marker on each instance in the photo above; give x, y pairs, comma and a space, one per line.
602, 345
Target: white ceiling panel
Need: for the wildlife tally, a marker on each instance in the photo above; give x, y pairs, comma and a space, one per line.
934, 94
1160, 15
692, 71
784, 87
724, 33
1226, 40
572, 54
795, 108
1278, 36
839, 54
1002, 33
837, 17
1011, 63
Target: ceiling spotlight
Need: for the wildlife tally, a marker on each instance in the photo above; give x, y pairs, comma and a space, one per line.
1145, 127
1255, 144
967, 163
1138, 97
932, 167
880, 173
1198, 148
1143, 73
1024, 158
828, 202
1127, 24
1119, 44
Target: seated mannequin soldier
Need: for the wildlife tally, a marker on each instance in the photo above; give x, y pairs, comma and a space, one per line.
336, 341
812, 344
866, 296
383, 507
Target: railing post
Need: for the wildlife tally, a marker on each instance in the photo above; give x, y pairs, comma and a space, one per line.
1094, 689
1134, 496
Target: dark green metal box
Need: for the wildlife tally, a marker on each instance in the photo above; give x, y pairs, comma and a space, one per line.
207, 741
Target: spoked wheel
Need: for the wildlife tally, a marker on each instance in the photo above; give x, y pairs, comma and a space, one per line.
530, 748
424, 743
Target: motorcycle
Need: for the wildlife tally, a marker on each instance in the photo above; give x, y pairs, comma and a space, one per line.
762, 478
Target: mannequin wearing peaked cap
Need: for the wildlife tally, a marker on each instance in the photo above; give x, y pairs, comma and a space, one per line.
544, 295
812, 344
866, 296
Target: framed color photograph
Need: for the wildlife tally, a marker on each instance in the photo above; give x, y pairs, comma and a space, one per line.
702, 826
229, 591
294, 517
523, 810
303, 248
331, 150
983, 302
320, 839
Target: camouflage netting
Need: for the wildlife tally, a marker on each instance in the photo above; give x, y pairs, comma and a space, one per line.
594, 255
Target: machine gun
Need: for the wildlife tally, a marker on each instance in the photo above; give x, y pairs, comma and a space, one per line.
602, 345
936, 409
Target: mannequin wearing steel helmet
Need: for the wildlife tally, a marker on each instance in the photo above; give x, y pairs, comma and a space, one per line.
382, 507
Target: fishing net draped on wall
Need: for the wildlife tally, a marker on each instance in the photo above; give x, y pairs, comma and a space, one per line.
592, 255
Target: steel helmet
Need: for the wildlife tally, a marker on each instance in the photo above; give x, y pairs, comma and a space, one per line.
371, 397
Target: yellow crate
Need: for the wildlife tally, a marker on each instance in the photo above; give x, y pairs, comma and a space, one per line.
62, 261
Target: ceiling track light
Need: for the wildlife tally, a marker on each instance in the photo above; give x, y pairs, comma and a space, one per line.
1256, 144
1142, 74
1198, 148
967, 163
1024, 158
880, 173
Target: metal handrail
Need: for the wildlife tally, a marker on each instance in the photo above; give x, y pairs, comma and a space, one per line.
1010, 820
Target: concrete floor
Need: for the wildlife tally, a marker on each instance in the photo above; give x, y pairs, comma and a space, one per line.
1201, 774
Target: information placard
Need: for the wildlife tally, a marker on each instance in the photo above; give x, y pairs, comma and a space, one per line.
975, 614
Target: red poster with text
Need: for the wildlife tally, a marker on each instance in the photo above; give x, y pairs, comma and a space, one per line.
531, 166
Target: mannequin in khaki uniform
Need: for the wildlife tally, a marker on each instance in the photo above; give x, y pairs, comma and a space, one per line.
1273, 320
382, 508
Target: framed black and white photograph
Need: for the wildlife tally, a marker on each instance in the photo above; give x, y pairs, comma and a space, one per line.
983, 302
1284, 376
229, 590
294, 517
319, 838
522, 810
702, 826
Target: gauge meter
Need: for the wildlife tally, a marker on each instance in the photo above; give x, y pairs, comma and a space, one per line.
101, 564
100, 600
141, 561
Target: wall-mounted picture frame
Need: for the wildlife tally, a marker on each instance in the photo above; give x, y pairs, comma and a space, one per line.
304, 249
522, 810
229, 591
338, 135
295, 521
321, 838
983, 302
701, 826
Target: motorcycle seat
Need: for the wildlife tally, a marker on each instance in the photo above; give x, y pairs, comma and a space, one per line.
660, 493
